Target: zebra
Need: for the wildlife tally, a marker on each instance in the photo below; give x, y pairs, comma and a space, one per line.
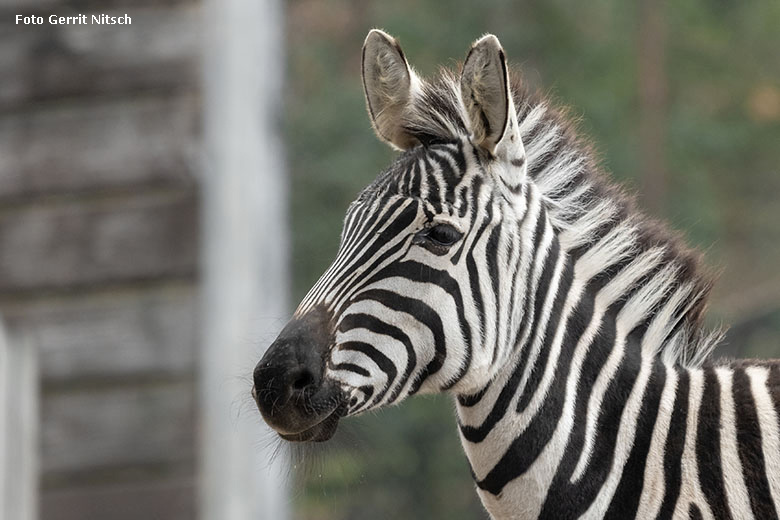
494, 261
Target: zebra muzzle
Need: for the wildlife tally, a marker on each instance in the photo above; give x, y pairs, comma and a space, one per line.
290, 389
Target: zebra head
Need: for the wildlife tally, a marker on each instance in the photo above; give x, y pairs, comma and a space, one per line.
420, 297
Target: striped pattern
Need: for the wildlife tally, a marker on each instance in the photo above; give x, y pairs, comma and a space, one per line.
566, 324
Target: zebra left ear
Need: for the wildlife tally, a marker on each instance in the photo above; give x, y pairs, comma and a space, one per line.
486, 95
389, 84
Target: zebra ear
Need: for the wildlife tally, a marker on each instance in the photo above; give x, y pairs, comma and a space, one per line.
389, 83
486, 95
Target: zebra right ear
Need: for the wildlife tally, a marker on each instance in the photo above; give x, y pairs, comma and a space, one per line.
389, 84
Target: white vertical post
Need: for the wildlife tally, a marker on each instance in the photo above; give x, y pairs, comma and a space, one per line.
18, 428
244, 251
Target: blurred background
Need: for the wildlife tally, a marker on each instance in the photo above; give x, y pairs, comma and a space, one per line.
170, 189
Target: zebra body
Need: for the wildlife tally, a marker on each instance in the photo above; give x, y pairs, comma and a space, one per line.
493, 262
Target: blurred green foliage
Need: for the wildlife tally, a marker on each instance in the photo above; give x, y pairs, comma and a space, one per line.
722, 154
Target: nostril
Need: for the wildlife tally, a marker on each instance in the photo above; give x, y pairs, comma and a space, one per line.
302, 380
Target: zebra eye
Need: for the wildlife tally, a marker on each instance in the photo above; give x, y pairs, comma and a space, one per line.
443, 235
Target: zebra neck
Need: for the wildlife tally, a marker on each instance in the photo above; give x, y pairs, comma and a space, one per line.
656, 441
575, 385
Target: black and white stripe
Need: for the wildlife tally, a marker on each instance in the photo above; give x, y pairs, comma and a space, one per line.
565, 323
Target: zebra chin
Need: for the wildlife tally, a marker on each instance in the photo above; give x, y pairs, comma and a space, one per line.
291, 390
320, 432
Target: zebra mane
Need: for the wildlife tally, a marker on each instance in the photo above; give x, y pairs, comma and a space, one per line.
585, 205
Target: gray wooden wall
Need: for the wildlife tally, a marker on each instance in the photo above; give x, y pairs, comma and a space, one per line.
99, 248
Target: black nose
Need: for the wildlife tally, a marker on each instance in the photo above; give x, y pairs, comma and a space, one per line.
302, 379
285, 373
289, 387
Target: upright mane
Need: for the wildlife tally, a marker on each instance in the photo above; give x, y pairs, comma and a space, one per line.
583, 203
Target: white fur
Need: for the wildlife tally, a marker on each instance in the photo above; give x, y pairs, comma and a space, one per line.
690, 490
767, 421
733, 482
654, 485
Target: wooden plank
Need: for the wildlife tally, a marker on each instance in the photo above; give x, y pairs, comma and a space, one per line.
67, 245
150, 500
85, 430
113, 335
99, 146
18, 427
158, 50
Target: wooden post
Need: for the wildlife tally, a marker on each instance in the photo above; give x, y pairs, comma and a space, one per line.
18, 428
244, 253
